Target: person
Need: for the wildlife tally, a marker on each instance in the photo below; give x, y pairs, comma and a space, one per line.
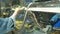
56, 20
7, 24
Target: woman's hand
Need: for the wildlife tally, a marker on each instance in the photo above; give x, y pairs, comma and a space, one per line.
17, 11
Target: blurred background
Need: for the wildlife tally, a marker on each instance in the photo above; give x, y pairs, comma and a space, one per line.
7, 8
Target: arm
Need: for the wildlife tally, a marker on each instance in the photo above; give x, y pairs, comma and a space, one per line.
7, 24
17, 11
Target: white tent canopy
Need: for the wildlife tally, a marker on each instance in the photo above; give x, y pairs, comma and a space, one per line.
46, 9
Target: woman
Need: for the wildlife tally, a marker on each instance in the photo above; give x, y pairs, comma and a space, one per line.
7, 24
